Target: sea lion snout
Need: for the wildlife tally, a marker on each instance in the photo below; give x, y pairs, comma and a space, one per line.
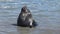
24, 9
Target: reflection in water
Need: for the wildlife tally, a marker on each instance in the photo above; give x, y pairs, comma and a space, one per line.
24, 30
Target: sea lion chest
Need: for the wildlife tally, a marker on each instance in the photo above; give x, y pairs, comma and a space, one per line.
24, 15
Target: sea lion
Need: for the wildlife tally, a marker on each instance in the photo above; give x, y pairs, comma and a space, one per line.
25, 18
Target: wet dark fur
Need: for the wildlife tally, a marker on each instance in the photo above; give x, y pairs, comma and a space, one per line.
25, 23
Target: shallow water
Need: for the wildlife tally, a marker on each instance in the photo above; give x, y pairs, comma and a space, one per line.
45, 12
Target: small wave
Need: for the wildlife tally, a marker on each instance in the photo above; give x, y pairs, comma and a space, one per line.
25, 3
8, 7
6, 0
5, 7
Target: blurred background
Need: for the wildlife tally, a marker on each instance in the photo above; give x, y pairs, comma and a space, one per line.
45, 12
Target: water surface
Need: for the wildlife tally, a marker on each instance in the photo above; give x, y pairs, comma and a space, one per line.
45, 12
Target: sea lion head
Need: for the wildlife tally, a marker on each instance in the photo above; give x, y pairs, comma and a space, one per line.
25, 10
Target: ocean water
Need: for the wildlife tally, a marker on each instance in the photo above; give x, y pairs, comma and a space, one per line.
45, 12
